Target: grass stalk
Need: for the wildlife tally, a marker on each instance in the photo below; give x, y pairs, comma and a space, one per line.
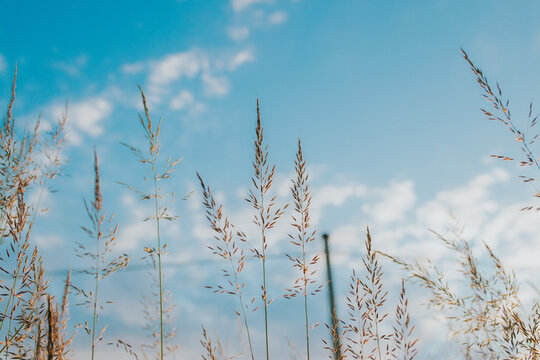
304, 235
266, 213
156, 207
96, 292
228, 251
100, 266
159, 171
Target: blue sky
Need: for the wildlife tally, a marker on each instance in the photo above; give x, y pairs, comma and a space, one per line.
386, 107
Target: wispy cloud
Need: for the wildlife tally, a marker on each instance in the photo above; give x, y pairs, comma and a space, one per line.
133, 68
277, 17
238, 33
393, 202
215, 85
71, 67
177, 66
165, 74
85, 117
240, 5
241, 58
185, 100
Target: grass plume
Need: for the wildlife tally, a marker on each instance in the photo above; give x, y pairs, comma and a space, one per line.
103, 232
303, 237
227, 249
159, 171
267, 213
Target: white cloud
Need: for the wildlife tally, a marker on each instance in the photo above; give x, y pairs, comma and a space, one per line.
182, 100
176, 66
242, 57
394, 202
277, 17
240, 5
238, 33
472, 202
333, 195
71, 67
47, 242
186, 101
3, 64
133, 68
84, 117
166, 73
215, 86
136, 233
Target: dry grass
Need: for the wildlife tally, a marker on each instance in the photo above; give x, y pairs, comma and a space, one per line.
267, 212
489, 321
367, 298
302, 239
158, 172
500, 112
28, 315
363, 331
487, 317
103, 232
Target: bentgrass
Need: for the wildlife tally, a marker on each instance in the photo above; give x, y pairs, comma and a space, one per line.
159, 171
489, 322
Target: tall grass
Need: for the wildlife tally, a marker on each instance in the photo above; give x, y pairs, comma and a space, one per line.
267, 213
103, 232
27, 162
304, 236
365, 337
227, 249
23, 288
488, 319
367, 295
159, 170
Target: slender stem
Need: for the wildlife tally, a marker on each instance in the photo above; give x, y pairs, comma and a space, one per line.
30, 227
11, 297
98, 238
307, 321
305, 292
376, 319
243, 311
6, 345
377, 333
239, 293
265, 297
42, 190
304, 270
8, 341
247, 328
156, 194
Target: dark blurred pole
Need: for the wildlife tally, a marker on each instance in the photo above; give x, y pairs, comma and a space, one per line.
333, 311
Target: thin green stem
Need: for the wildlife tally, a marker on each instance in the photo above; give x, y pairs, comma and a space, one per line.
18, 268
305, 292
307, 321
265, 293
11, 296
376, 319
6, 345
243, 311
156, 194
96, 289
377, 333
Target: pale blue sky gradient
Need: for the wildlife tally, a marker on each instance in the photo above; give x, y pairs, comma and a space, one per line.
387, 109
